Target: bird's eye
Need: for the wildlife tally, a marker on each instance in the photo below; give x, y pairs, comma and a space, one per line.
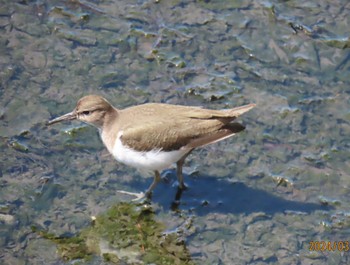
86, 112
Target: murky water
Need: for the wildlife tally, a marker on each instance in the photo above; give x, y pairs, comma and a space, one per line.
261, 197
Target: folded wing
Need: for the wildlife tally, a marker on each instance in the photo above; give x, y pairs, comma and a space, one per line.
192, 127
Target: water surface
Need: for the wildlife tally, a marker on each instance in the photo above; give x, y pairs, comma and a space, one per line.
258, 198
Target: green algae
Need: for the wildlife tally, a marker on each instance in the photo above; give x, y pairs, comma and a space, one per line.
69, 248
17, 145
75, 131
127, 233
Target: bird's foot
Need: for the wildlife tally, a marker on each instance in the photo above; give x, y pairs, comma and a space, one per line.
139, 195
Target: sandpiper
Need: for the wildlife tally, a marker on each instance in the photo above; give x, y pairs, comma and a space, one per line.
153, 136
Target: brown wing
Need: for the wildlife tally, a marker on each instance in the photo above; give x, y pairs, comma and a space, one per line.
178, 127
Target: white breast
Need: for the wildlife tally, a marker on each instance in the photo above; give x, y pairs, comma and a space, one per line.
151, 160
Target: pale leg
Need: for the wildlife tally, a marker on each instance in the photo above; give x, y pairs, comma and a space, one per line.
154, 183
148, 193
179, 165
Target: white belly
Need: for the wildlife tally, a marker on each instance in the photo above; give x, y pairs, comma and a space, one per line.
151, 160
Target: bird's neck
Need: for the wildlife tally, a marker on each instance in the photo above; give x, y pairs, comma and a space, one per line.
109, 129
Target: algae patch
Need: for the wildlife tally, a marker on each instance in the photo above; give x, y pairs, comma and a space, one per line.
126, 233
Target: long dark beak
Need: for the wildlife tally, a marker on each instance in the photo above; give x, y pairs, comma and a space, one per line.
66, 117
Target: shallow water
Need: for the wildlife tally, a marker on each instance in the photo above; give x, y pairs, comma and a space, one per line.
260, 197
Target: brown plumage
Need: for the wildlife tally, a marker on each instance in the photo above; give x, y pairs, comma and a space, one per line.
175, 126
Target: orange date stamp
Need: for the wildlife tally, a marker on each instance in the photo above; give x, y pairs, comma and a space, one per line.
343, 246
